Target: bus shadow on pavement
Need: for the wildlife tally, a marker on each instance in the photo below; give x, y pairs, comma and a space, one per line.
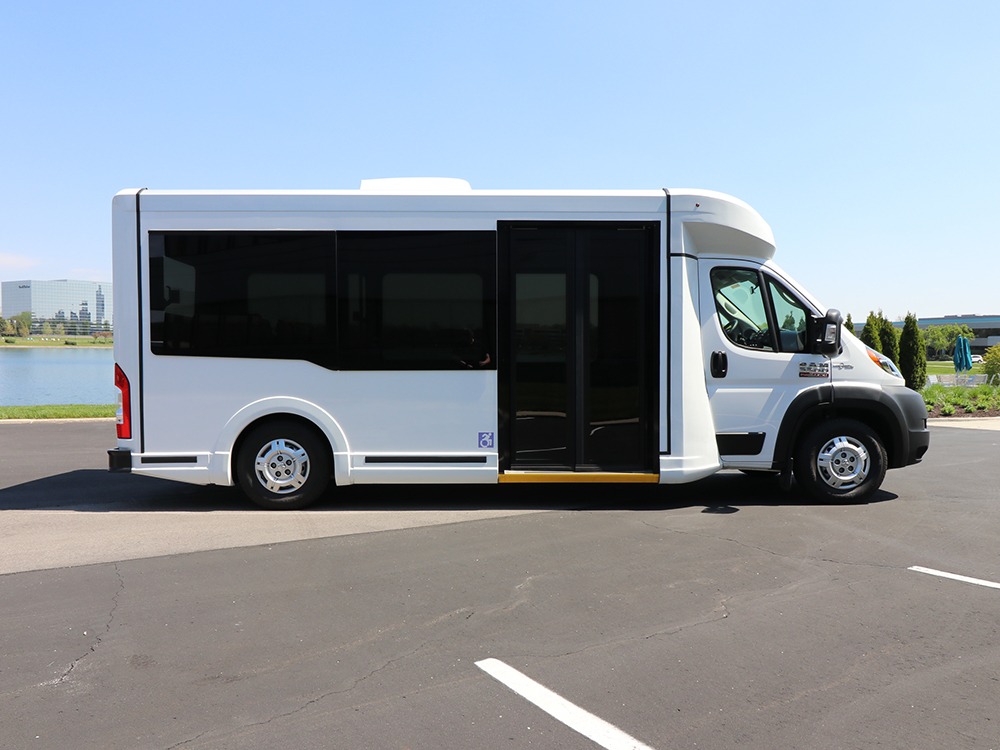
97, 491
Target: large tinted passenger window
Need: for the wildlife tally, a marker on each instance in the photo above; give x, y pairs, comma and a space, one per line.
243, 294
347, 300
417, 300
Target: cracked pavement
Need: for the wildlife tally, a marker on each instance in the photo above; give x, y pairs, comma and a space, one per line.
723, 614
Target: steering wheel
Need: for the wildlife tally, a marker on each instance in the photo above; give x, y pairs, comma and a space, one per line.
759, 339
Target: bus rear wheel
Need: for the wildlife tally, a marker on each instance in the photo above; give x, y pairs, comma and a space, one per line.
841, 461
283, 465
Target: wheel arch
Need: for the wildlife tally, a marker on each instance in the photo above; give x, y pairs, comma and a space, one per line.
864, 404
299, 410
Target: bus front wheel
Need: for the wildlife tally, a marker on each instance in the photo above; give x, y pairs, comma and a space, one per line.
841, 460
283, 465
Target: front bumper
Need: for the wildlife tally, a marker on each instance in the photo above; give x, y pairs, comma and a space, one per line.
913, 413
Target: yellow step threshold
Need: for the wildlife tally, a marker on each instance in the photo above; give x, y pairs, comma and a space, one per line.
578, 477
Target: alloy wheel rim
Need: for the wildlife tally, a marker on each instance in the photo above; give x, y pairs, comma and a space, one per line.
282, 466
843, 463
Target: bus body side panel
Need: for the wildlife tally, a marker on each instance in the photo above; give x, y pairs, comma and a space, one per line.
126, 299
383, 426
693, 450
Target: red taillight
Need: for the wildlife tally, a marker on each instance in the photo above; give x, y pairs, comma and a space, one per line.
124, 415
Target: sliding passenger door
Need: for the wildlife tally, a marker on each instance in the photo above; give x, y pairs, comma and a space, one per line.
578, 336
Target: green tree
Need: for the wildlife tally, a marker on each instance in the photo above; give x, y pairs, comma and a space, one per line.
888, 338
869, 334
849, 324
22, 323
913, 354
942, 338
991, 362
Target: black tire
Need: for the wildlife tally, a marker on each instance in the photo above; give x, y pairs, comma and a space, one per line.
283, 465
840, 461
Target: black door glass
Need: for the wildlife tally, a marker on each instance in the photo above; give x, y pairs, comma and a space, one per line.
580, 347
542, 345
615, 332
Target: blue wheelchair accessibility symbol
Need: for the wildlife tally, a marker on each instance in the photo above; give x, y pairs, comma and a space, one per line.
485, 439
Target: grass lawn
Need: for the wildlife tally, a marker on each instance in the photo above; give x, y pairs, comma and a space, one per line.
58, 411
948, 368
56, 341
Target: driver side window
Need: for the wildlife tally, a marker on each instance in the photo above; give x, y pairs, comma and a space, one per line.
742, 308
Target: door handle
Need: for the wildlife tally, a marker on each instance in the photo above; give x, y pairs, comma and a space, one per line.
720, 364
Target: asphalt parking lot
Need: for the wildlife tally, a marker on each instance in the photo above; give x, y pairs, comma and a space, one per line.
724, 614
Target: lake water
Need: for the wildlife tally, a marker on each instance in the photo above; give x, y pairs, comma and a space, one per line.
32, 376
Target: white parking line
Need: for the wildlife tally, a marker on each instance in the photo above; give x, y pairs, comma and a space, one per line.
604, 734
955, 577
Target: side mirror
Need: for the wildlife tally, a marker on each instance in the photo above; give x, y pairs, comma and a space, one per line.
825, 333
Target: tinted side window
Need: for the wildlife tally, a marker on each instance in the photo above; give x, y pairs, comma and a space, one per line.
742, 308
790, 315
417, 300
243, 294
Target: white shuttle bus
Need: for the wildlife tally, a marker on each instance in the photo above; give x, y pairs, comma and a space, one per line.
419, 331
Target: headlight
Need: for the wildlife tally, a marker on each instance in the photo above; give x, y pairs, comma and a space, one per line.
884, 362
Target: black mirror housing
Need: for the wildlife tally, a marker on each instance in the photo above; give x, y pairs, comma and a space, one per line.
825, 333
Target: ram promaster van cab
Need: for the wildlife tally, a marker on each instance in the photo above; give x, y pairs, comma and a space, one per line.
419, 331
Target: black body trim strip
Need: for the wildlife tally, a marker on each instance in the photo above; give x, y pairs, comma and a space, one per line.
169, 459
664, 356
138, 276
740, 443
425, 459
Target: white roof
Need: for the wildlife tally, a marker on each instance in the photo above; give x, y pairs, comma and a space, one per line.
713, 223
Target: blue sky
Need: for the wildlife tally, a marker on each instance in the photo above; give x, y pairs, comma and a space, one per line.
866, 134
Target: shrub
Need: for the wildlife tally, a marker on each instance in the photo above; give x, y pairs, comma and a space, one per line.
991, 362
954, 396
912, 354
888, 338
869, 334
947, 410
982, 391
934, 394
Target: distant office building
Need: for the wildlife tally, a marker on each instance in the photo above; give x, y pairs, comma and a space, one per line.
985, 328
64, 307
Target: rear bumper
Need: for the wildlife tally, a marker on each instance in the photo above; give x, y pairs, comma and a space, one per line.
119, 460
193, 468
